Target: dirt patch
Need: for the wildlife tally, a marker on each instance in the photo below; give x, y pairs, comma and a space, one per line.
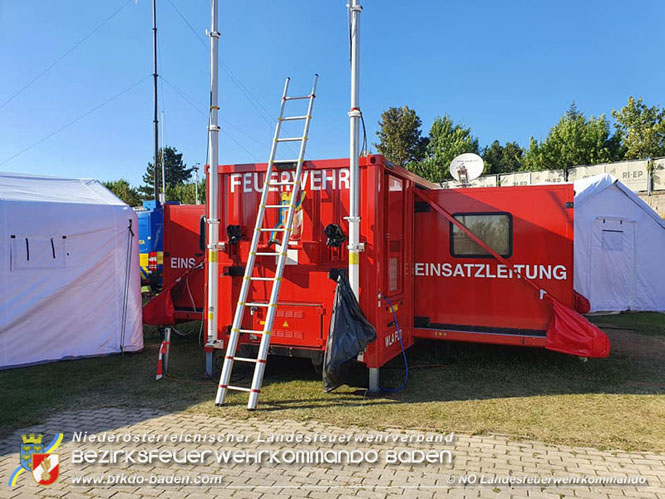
626, 341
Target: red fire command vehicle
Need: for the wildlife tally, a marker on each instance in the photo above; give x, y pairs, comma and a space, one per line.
443, 284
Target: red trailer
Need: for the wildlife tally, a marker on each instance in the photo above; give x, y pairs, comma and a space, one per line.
463, 293
442, 283
183, 260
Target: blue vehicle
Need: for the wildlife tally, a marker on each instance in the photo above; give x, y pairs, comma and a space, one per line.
151, 242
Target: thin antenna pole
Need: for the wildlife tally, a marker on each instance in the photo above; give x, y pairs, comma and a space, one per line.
213, 195
196, 184
155, 118
162, 196
354, 185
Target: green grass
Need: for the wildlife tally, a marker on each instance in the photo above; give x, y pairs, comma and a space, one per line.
526, 393
643, 322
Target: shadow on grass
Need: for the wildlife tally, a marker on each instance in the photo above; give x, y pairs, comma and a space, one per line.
439, 372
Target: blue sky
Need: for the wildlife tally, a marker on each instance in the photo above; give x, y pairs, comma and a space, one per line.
506, 69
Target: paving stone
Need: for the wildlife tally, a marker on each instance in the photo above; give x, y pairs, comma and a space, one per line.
492, 455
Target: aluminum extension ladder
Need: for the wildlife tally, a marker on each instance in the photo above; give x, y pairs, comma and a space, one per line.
281, 254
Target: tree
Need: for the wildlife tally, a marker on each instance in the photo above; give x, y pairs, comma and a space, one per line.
124, 191
176, 172
641, 129
574, 140
186, 193
446, 140
400, 137
503, 159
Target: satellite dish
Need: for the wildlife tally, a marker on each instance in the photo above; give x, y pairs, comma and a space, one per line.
466, 167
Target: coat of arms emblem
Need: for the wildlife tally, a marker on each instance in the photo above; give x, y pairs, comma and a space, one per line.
45, 468
38, 459
30, 445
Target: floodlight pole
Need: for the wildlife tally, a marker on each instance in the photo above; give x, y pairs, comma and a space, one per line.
355, 116
354, 153
155, 120
213, 196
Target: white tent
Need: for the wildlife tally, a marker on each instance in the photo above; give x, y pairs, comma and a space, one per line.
619, 247
69, 271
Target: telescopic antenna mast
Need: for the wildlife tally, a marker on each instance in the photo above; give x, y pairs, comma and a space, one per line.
213, 197
155, 117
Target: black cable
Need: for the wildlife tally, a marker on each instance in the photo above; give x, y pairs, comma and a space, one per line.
348, 17
363, 149
253, 100
256, 104
54, 63
75, 120
190, 101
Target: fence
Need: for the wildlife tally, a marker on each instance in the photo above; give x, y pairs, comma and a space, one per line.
634, 174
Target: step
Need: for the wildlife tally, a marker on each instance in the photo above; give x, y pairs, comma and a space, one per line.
246, 359
300, 97
236, 388
252, 331
271, 183
290, 139
296, 118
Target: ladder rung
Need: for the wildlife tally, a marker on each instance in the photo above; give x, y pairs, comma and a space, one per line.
256, 304
275, 205
264, 253
302, 97
290, 139
239, 388
295, 118
263, 229
246, 359
261, 278
285, 161
282, 183
251, 331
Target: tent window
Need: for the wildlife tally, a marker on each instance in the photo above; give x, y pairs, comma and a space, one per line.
37, 253
612, 240
495, 229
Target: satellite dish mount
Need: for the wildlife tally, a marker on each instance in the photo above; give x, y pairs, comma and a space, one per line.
466, 167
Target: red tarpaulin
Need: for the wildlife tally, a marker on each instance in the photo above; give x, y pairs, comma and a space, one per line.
582, 305
568, 331
160, 310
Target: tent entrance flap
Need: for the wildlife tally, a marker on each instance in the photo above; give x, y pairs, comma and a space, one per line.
612, 273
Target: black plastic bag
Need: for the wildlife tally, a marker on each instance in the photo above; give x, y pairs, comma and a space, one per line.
350, 333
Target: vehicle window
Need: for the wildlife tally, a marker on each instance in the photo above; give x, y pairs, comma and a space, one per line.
495, 229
